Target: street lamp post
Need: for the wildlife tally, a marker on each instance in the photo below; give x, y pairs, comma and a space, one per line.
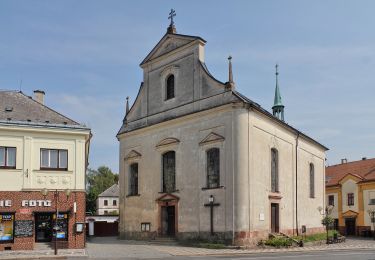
326, 218
371, 213
56, 200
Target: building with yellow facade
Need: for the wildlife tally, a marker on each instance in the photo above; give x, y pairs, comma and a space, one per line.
350, 189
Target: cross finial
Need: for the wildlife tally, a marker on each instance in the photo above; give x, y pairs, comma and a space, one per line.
276, 67
171, 15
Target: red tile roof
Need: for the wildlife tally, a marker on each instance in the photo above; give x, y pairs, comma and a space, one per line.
364, 169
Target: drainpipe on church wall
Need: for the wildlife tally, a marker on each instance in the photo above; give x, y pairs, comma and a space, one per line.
297, 183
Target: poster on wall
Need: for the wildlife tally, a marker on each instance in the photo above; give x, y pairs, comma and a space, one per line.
23, 228
6, 227
62, 226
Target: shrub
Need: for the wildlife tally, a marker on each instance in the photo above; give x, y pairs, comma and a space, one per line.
279, 242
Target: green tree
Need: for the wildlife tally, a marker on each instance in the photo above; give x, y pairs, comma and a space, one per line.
327, 221
98, 181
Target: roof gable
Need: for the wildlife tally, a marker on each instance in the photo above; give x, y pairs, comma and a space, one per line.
354, 177
168, 43
112, 191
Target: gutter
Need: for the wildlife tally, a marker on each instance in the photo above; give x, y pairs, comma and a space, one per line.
298, 133
42, 125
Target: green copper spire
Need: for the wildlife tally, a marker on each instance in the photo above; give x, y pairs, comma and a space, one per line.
278, 107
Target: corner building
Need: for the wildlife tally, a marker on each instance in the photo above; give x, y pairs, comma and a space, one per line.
43, 159
190, 142
350, 190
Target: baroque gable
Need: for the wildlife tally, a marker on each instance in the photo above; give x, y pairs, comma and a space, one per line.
212, 138
169, 43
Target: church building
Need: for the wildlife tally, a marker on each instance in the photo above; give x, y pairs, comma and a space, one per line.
200, 160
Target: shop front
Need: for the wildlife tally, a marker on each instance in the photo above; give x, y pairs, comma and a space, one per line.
29, 217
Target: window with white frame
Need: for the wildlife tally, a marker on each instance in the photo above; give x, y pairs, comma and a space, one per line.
54, 159
7, 157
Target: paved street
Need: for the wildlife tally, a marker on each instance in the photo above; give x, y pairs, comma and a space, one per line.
112, 248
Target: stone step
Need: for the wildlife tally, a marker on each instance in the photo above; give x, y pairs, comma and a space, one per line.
43, 246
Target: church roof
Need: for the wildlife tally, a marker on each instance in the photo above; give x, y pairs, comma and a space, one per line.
271, 116
112, 191
18, 108
363, 169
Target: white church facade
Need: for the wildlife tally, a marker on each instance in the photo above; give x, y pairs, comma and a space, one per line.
200, 160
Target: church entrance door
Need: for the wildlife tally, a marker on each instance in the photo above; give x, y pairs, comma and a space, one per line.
168, 221
274, 217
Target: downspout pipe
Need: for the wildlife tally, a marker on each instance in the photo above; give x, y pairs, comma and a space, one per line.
297, 138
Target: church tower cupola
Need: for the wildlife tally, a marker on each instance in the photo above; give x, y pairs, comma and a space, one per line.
172, 28
278, 107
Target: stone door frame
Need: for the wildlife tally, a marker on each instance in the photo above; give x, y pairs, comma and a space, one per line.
165, 201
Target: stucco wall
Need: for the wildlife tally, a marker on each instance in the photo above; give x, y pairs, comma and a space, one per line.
28, 142
349, 186
265, 135
190, 173
335, 210
101, 208
367, 194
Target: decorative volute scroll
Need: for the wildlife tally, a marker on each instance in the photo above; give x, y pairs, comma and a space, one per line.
212, 138
132, 155
168, 141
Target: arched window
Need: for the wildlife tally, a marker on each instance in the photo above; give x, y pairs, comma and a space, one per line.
213, 168
169, 172
312, 181
169, 87
133, 179
274, 170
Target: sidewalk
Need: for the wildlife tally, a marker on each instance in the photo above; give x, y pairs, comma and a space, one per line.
42, 254
192, 251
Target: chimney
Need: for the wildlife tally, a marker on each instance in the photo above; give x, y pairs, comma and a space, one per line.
364, 158
344, 161
39, 96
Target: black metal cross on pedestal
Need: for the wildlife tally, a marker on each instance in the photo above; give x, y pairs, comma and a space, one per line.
212, 205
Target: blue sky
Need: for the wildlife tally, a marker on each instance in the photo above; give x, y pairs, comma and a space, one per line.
86, 55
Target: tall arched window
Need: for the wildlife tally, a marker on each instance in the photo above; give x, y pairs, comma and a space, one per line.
169, 87
312, 181
213, 168
274, 170
133, 179
169, 172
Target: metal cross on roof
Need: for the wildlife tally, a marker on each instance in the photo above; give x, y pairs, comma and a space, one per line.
171, 15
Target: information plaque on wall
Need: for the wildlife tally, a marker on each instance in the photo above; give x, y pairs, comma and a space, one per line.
23, 228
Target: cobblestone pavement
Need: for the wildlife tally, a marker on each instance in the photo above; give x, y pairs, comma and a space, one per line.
192, 251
